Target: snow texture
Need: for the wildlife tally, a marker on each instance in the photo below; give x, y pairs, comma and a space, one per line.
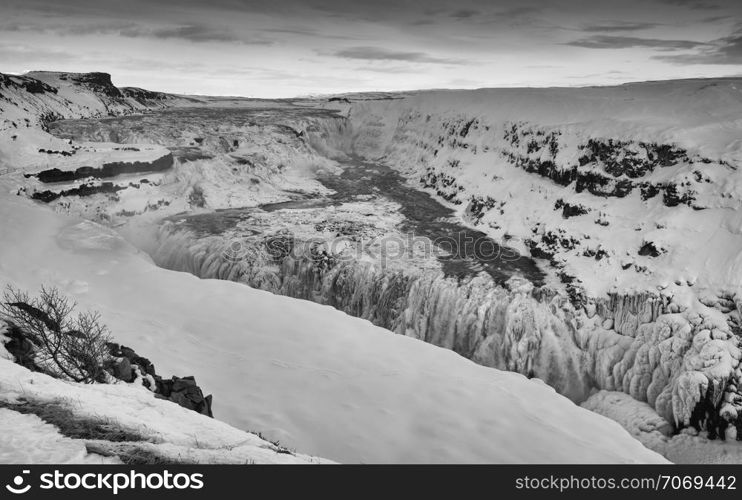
166, 429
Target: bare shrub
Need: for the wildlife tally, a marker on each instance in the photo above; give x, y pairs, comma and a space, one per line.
71, 346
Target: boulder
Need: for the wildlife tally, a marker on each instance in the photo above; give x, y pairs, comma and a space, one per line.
181, 390
123, 370
21, 348
188, 394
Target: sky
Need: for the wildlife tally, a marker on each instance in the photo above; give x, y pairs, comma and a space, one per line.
286, 48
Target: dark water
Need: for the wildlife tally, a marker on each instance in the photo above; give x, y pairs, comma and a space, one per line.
471, 251
216, 222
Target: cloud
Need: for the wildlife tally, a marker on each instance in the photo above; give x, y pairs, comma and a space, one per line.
64, 29
196, 33
628, 42
714, 19
694, 4
464, 13
22, 53
380, 54
307, 32
523, 10
422, 22
619, 26
727, 50
392, 70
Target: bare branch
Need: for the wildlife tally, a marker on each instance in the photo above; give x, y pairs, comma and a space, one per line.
72, 347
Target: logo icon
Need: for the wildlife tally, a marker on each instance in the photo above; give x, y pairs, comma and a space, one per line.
17, 487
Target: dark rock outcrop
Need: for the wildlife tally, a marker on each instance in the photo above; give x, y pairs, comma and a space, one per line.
650, 250
144, 97
107, 170
569, 210
606, 167
630, 159
124, 364
21, 348
100, 83
478, 206
82, 191
128, 366
30, 85
186, 393
123, 370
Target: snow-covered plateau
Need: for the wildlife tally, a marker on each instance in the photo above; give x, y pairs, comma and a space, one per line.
614, 212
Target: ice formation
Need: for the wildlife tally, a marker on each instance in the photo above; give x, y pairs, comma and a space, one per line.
680, 363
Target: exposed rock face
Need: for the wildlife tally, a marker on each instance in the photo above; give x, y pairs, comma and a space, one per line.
569, 210
129, 367
30, 85
106, 170
99, 83
123, 370
186, 393
142, 96
605, 167
125, 365
20, 347
649, 249
41, 97
82, 191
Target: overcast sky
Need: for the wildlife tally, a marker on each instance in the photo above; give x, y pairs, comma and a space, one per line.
277, 48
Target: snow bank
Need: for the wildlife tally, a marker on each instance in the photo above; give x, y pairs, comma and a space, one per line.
26, 439
164, 428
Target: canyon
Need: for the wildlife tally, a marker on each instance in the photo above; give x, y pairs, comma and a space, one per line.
523, 234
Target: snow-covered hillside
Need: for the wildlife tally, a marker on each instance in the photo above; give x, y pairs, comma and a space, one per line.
45, 420
28, 102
